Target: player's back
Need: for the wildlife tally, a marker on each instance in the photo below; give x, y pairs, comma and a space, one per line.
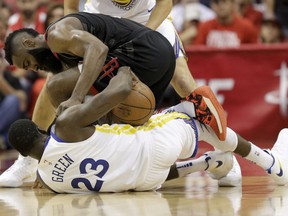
115, 158
110, 30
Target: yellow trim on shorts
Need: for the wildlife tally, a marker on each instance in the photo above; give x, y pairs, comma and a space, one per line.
152, 123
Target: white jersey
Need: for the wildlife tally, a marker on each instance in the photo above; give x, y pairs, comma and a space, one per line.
119, 157
138, 11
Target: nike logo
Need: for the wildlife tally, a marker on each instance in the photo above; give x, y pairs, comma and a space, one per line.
149, 10
280, 173
220, 163
207, 159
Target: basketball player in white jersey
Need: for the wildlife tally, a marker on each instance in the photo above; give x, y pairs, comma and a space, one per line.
78, 157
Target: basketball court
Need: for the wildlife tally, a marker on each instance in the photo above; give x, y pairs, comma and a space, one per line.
196, 194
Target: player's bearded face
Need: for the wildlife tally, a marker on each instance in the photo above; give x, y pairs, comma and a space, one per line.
46, 60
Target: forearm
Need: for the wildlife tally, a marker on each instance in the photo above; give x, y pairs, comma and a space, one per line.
118, 89
92, 66
5, 87
159, 13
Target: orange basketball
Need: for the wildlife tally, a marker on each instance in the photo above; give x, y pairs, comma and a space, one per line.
137, 107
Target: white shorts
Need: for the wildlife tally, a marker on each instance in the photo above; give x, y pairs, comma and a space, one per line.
167, 147
168, 30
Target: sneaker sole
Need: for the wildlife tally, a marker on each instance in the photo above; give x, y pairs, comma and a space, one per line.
220, 126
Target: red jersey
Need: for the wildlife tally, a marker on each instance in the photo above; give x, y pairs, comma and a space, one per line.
214, 34
253, 15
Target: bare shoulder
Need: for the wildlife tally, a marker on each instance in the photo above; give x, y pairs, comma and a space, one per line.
59, 34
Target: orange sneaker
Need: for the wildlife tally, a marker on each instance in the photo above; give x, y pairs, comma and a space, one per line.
208, 110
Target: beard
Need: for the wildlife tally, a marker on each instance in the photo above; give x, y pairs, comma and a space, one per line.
46, 60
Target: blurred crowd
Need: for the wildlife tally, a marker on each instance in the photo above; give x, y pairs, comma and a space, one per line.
230, 23
20, 88
215, 23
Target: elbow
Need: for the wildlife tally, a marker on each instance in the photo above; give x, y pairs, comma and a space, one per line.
103, 50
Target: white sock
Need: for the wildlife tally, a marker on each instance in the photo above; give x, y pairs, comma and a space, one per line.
191, 166
260, 157
184, 107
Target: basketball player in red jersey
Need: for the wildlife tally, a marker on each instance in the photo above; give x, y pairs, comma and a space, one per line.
91, 39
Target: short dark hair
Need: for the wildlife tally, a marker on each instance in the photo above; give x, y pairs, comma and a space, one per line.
22, 135
8, 47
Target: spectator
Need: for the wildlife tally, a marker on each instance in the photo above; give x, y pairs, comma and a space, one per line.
54, 12
227, 29
13, 101
246, 9
5, 11
278, 9
271, 31
13, 92
3, 30
190, 28
28, 16
185, 11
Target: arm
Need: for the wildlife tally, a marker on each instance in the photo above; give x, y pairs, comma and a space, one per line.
270, 7
74, 123
69, 37
159, 13
71, 6
5, 87
201, 35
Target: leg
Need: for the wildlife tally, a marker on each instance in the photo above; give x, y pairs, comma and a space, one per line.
203, 106
208, 110
60, 86
273, 161
44, 111
183, 81
203, 163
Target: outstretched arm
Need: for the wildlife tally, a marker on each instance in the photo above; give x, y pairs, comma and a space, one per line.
74, 123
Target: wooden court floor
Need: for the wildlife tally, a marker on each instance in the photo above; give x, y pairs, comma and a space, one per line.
195, 194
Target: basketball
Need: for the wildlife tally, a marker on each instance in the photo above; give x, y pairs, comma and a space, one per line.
137, 107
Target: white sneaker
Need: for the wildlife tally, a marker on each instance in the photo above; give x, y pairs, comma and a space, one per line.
227, 172
279, 152
22, 171
234, 176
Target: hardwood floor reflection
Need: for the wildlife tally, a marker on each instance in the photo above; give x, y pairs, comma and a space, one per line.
195, 194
